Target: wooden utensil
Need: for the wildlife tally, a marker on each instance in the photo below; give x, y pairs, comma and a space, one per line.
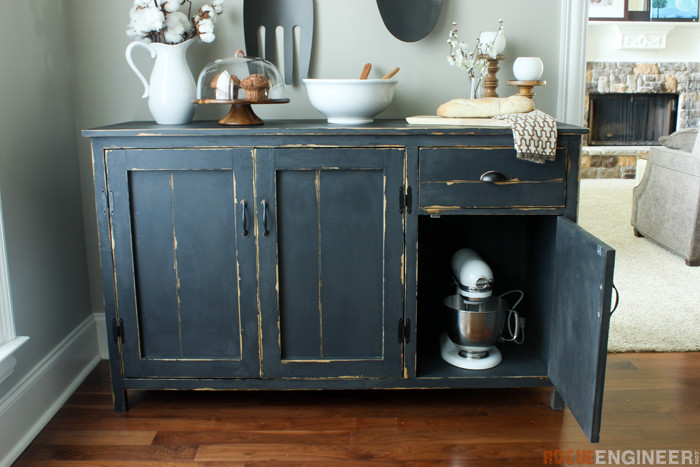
285, 13
410, 20
365, 71
391, 73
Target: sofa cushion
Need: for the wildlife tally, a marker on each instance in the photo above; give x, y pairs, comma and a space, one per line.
696, 148
682, 139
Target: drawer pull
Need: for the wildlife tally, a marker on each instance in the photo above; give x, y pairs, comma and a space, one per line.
493, 176
266, 232
244, 218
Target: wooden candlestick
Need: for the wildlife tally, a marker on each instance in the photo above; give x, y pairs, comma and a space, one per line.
525, 87
491, 80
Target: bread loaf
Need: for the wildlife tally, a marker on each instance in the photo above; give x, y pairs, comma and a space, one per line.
486, 107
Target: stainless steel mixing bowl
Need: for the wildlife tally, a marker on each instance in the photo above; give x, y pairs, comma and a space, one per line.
473, 326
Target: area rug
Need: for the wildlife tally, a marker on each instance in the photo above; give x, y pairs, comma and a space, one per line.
659, 308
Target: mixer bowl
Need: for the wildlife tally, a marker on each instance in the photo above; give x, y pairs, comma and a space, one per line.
473, 326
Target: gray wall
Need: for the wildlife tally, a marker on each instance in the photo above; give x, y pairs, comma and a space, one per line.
348, 33
74, 76
41, 189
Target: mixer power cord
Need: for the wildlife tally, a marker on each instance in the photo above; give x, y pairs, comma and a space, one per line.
514, 330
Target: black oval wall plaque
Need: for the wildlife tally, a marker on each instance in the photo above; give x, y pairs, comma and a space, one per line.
410, 20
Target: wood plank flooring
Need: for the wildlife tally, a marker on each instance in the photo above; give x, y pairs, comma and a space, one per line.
652, 401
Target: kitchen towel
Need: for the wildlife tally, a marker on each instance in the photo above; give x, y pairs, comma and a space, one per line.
535, 135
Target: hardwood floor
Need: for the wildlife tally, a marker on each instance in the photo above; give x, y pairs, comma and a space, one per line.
652, 401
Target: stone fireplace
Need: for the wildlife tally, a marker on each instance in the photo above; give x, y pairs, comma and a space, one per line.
669, 77
638, 78
631, 119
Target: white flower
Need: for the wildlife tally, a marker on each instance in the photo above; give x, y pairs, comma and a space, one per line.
471, 62
208, 37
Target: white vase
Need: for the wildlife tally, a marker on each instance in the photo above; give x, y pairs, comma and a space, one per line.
528, 68
475, 89
171, 88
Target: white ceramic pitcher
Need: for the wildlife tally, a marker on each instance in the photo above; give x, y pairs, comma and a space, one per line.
171, 89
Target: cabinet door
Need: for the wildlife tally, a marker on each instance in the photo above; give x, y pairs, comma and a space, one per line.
580, 320
184, 270
331, 289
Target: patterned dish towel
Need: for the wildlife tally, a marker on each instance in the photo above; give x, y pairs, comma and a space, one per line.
535, 135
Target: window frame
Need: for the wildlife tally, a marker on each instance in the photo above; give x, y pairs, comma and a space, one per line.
9, 341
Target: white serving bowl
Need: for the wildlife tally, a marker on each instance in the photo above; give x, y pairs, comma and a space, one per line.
350, 101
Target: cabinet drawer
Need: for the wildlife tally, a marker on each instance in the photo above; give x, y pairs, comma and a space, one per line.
449, 178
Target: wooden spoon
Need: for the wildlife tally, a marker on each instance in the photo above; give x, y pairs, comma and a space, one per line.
391, 73
365, 71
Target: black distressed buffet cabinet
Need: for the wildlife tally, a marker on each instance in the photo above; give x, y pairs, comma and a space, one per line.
302, 255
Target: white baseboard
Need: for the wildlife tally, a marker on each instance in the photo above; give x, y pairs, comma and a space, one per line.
27, 407
101, 324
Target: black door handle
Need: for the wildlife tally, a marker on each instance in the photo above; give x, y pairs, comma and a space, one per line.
266, 232
244, 218
493, 176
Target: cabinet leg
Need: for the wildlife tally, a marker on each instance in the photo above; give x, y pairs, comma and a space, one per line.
692, 262
636, 233
121, 403
555, 401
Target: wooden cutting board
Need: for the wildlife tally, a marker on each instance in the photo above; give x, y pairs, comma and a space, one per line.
435, 120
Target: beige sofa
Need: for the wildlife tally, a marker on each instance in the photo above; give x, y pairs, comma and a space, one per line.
667, 201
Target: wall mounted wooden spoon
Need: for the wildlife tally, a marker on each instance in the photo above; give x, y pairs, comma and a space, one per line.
410, 20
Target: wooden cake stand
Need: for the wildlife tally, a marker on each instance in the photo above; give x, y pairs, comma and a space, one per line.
525, 87
241, 112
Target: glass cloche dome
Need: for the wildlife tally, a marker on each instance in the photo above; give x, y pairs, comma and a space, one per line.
240, 81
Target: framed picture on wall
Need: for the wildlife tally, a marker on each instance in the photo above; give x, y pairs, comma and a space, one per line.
614, 10
674, 10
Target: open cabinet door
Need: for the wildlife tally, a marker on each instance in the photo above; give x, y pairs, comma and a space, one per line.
583, 274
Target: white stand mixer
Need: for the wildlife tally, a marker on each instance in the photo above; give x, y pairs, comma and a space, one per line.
475, 318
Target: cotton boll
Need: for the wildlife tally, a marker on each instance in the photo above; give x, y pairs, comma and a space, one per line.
142, 3
175, 26
205, 26
208, 13
177, 21
218, 6
207, 37
172, 37
170, 6
182, 18
131, 32
147, 19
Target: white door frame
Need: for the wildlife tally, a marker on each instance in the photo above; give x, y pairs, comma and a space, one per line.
572, 61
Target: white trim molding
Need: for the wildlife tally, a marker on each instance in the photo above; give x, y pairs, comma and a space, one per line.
9, 342
7, 361
101, 325
642, 36
29, 405
572, 61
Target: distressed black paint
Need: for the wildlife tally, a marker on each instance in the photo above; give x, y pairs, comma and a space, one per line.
317, 304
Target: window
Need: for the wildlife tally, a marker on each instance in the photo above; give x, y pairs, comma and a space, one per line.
9, 342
